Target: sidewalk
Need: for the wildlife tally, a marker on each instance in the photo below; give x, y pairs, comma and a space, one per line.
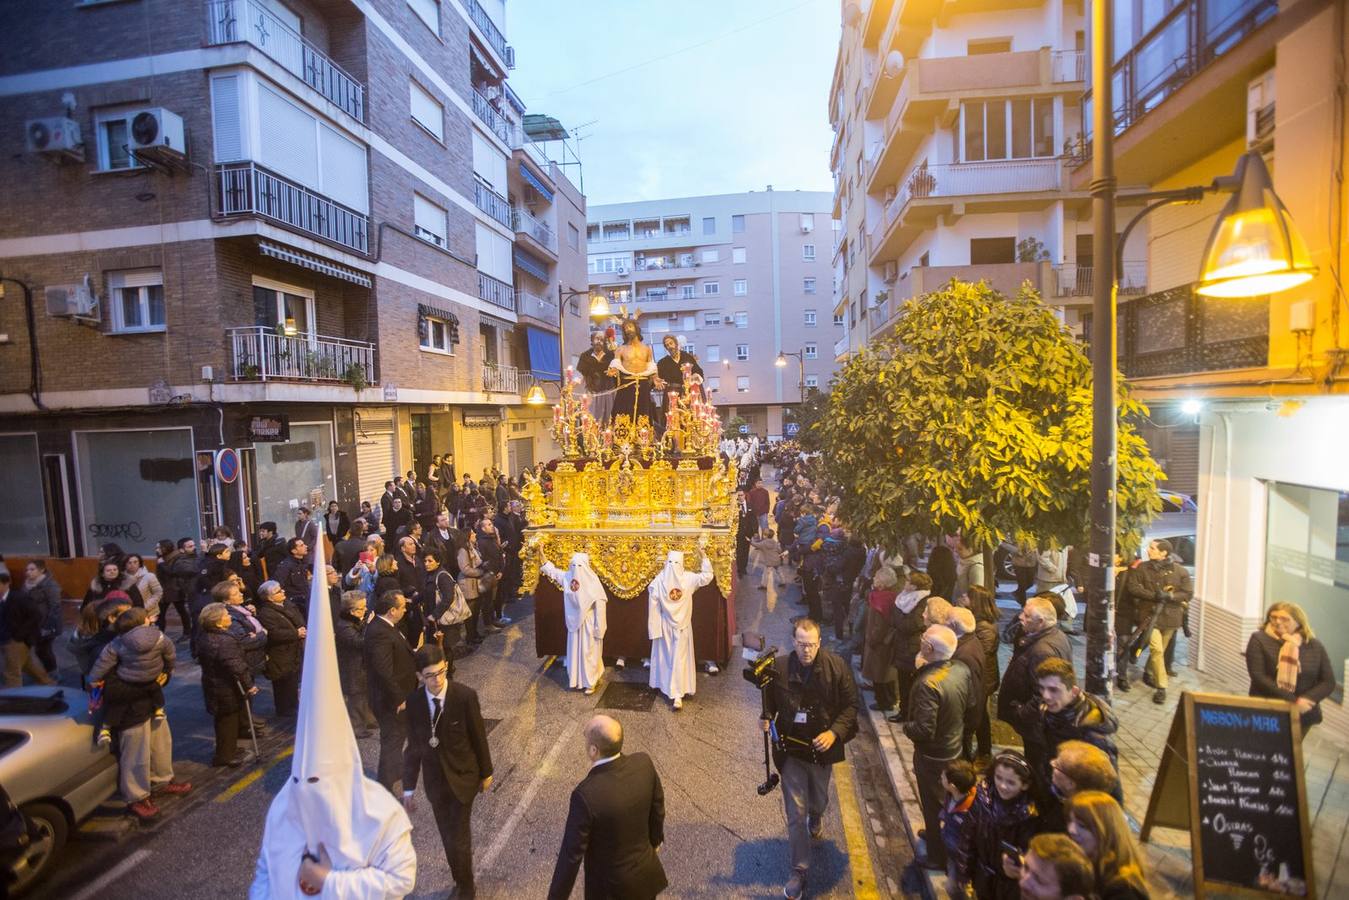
1144, 727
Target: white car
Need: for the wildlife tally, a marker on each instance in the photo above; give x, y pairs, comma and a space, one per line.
52, 768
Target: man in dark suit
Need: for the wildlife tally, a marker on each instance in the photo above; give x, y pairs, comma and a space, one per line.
616, 822
447, 739
391, 673
349, 549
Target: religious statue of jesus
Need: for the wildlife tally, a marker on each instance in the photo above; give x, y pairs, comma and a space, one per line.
634, 367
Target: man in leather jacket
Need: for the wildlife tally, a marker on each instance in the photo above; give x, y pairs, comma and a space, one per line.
1162, 590
938, 708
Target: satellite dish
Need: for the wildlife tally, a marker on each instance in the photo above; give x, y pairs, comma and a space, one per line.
894, 64
852, 13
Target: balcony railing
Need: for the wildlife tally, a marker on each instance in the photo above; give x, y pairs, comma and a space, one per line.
1067, 66
496, 291
1072, 280
525, 223
492, 33
500, 379
841, 346
249, 189
483, 109
259, 353
229, 21
492, 203
538, 307
1004, 176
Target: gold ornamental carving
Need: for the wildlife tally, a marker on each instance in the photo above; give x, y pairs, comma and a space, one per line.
627, 562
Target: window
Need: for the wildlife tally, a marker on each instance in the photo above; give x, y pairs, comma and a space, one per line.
740, 287
807, 222
709, 225
137, 300
1007, 129
810, 318
742, 384
654, 293
714, 350
690, 323
712, 319
427, 111
711, 288
808, 285
429, 12
986, 251
988, 45
808, 252
429, 221
688, 292
711, 256
812, 351
604, 264
742, 320
592, 231
656, 326
113, 130
737, 224
838, 318
737, 254
573, 236
742, 352
616, 231
812, 381
646, 228
278, 305
23, 530
713, 383
435, 335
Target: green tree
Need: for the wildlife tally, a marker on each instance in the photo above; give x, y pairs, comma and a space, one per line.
974, 416
731, 428
808, 415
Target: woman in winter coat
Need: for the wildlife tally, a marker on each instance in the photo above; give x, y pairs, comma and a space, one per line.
349, 635
1003, 814
225, 679
285, 648
471, 572
151, 590
111, 578
985, 608
1287, 662
46, 594
941, 568
906, 617
335, 522
877, 646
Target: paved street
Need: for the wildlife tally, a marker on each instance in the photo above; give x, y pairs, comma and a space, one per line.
722, 839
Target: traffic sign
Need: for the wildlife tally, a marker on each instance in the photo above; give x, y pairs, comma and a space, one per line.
791, 429
227, 465
744, 429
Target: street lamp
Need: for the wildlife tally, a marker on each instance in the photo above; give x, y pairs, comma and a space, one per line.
599, 309
1253, 250
781, 363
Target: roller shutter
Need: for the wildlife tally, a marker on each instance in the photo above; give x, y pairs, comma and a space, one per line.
1182, 463
376, 451
475, 452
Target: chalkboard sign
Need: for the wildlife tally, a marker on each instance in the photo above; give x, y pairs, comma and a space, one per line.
1231, 774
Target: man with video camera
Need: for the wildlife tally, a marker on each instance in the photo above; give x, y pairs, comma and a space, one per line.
811, 704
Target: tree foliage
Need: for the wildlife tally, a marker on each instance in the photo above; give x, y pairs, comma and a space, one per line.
974, 415
809, 415
731, 427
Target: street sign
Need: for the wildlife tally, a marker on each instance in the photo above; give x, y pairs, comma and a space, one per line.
744, 429
791, 429
390, 393
226, 466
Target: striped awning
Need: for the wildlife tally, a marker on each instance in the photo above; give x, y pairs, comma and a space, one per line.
451, 321
314, 263
530, 263
528, 175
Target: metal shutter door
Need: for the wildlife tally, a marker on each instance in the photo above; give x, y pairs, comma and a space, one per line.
376, 451
1182, 464
476, 451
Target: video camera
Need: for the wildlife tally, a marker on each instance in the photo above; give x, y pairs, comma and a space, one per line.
761, 673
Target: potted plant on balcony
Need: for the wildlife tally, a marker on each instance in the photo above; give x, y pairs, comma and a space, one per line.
320, 365
1030, 249
249, 372
922, 182
355, 376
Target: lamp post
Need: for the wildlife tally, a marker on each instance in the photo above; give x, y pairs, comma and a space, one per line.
1254, 250
781, 363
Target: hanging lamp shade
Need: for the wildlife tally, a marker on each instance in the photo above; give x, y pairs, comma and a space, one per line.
535, 396
1254, 248
599, 306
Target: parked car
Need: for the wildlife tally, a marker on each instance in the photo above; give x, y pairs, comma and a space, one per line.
1176, 502
1180, 529
52, 769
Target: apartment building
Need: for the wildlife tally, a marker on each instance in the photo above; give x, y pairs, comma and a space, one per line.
320, 235
956, 125
1266, 374
738, 278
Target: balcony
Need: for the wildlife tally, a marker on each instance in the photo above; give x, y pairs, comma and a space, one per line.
1076, 281
495, 38
249, 189
1068, 66
525, 223
492, 203
545, 309
841, 348
495, 121
663, 267
500, 379
259, 353
496, 291
1005, 278
952, 189
232, 21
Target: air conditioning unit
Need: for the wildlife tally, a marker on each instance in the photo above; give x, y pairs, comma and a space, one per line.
889, 272
669, 284
157, 136
57, 136
621, 270
807, 228
76, 301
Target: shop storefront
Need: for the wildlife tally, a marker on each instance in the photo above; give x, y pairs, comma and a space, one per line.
136, 486
24, 526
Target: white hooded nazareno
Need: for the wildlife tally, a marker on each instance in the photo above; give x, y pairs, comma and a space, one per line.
328, 800
669, 624
583, 604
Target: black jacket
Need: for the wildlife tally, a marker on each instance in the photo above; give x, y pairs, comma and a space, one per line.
390, 669
909, 627
285, 647
1315, 680
343, 526
349, 635
826, 692
939, 707
593, 371
462, 759
271, 552
1018, 682
970, 651
993, 822
672, 373
223, 670
1163, 581
345, 553
615, 823
443, 547
293, 576
23, 618
1088, 719
127, 704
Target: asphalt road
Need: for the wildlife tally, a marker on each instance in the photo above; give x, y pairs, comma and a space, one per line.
722, 839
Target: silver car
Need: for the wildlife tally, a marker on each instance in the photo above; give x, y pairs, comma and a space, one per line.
52, 768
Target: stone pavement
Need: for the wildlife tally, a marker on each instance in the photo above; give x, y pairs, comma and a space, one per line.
1144, 727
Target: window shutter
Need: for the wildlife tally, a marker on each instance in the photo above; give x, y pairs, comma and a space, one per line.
289, 141
489, 163
344, 169
430, 217
494, 253
427, 110
229, 142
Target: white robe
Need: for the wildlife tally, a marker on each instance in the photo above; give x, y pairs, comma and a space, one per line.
674, 667
584, 611
389, 874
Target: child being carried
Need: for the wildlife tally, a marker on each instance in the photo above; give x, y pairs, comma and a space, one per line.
139, 654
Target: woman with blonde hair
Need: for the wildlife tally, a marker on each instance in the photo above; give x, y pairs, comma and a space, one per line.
1096, 823
1287, 662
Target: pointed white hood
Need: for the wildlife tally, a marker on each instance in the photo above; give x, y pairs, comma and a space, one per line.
583, 593
328, 799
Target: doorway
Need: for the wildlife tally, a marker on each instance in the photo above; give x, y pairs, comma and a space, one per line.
56, 496
421, 444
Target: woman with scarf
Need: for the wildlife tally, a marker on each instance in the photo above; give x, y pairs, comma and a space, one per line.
906, 617
877, 665
1287, 662
110, 578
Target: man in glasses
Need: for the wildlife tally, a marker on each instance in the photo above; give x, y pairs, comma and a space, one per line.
812, 704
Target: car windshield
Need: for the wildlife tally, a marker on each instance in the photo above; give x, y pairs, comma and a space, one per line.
47, 705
